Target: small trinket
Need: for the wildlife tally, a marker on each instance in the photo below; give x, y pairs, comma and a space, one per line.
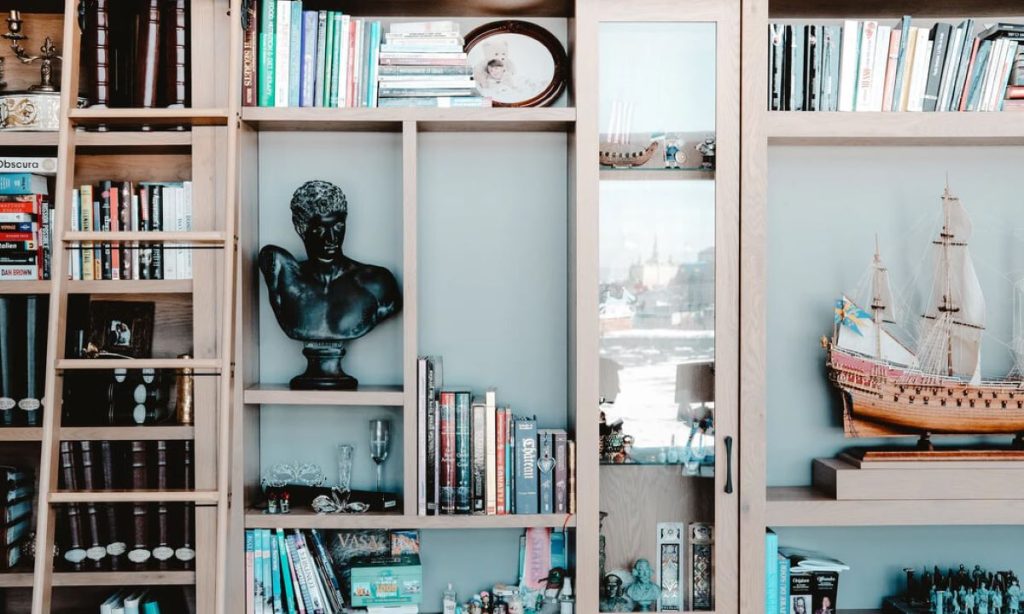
272, 503
449, 600
285, 502
673, 153
500, 607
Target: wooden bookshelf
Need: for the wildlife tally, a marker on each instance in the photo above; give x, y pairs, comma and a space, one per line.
544, 119
149, 117
124, 578
207, 497
897, 129
269, 394
306, 519
130, 286
29, 139
25, 287
115, 138
127, 433
21, 433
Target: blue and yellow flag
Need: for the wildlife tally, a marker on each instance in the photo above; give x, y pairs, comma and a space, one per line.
850, 315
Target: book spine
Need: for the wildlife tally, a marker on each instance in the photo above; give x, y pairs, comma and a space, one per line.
976, 76
250, 555
268, 53
321, 49
287, 595
373, 57
940, 41
771, 570
309, 574
156, 214
490, 442
268, 572
432, 440
812, 66
546, 472
892, 63
901, 64
866, 65
526, 478
324, 555
500, 461
421, 436
282, 47
330, 42
336, 60
966, 57
478, 491
350, 83
296, 564
447, 452
309, 44
343, 63
86, 225
250, 48
510, 462
22, 184
919, 78
295, 56
783, 579
561, 473
275, 577
463, 471
950, 68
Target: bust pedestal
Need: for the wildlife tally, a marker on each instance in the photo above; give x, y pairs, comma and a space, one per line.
323, 368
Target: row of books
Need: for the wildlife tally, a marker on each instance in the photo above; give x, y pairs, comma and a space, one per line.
307, 58
799, 581
22, 364
477, 458
111, 536
867, 66
26, 223
125, 206
131, 601
18, 495
292, 573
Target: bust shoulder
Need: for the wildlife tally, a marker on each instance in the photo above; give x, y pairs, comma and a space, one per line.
274, 261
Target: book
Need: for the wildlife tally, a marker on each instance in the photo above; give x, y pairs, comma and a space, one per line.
919, 73
491, 455
268, 53
268, 572
782, 563
561, 486
478, 458
310, 41
250, 51
250, 558
321, 51
967, 51
1003, 30
421, 436
295, 53
286, 592
501, 448
442, 102
22, 183
796, 45
952, 65
328, 565
902, 61
304, 601
892, 61
432, 437
771, 571
463, 458
526, 475
848, 65
275, 577
830, 66
866, 66
43, 166
447, 452
939, 37
282, 51
546, 471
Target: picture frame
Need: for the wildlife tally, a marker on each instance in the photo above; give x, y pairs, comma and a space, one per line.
122, 329
517, 63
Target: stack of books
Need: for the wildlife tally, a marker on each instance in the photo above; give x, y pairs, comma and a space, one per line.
26, 218
22, 364
133, 536
115, 206
297, 58
477, 458
18, 495
283, 571
867, 66
799, 581
422, 64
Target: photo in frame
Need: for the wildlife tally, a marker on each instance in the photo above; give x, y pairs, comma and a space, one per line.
121, 328
517, 63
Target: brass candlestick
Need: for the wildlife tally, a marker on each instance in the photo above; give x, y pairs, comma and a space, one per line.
48, 52
185, 408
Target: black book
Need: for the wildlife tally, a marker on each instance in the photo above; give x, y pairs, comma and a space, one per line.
156, 215
939, 36
7, 402
96, 551
116, 546
776, 59
108, 258
74, 553
163, 553
185, 554
140, 553
124, 205
431, 438
812, 67
30, 403
1014, 31
146, 252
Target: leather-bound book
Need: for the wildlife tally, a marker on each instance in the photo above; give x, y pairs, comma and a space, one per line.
69, 481
96, 552
31, 404
174, 46
115, 543
140, 553
96, 52
7, 402
163, 552
186, 553
74, 553
147, 54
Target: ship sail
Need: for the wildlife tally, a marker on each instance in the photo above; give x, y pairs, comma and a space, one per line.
955, 317
859, 333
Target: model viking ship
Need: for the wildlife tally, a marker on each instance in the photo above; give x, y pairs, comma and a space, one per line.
891, 389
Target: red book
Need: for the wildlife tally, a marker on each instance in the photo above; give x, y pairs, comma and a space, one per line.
18, 236
500, 441
23, 206
447, 451
249, 59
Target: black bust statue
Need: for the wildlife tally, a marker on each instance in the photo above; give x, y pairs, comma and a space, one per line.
330, 298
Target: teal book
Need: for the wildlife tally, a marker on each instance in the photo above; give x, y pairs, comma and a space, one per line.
307, 81
559, 550
295, 55
373, 56
267, 38
463, 459
321, 50
268, 573
336, 61
978, 76
771, 571
509, 462
16, 184
783, 579
150, 607
962, 66
901, 62
288, 601
257, 571
275, 571
332, 41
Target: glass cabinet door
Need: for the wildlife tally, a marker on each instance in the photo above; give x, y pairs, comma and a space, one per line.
661, 432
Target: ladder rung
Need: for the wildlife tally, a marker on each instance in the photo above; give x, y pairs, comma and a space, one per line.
134, 496
162, 236
80, 364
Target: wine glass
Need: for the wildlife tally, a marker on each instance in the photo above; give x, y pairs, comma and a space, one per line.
380, 442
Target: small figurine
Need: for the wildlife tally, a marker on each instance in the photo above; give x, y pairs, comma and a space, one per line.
642, 591
612, 598
485, 602
285, 502
500, 607
673, 154
449, 600
272, 503
515, 604
707, 151
475, 605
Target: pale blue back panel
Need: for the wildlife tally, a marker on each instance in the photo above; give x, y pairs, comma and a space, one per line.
825, 207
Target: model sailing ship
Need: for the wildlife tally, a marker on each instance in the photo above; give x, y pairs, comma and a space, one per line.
890, 389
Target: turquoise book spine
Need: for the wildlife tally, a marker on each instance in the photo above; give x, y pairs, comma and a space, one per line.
268, 15
332, 41
286, 576
295, 55
275, 571
336, 61
783, 580
257, 570
321, 59
463, 437
771, 570
268, 573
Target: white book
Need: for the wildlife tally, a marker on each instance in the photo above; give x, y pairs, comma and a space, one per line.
131, 602
919, 77
866, 65
424, 27
994, 58
282, 56
848, 64
908, 67
115, 600
135, 244
1003, 76
949, 70
76, 225
343, 76
358, 65
490, 419
187, 270
416, 84
170, 260
309, 573
877, 92
23, 164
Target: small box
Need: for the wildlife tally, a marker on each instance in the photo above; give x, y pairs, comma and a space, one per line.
385, 581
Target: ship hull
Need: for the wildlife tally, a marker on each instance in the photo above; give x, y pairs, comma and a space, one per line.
881, 399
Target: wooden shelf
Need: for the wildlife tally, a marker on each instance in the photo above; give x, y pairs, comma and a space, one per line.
811, 128
122, 138
127, 433
307, 519
129, 286
876, 9
153, 117
122, 578
803, 506
21, 433
655, 174
134, 496
29, 139
85, 364
461, 8
147, 237
32, 286
545, 119
280, 394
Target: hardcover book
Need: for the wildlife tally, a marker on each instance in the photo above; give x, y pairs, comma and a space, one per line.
446, 450
526, 456
478, 491
561, 473
546, 471
463, 445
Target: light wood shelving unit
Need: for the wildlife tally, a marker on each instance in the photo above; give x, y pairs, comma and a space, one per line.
140, 144
764, 506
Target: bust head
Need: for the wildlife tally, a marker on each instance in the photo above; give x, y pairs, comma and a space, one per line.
642, 571
319, 211
612, 586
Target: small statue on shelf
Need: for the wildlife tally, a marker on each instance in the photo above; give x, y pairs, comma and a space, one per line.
707, 152
673, 153
643, 591
612, 597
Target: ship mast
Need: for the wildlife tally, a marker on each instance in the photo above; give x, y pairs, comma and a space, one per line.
882, 306
947, 306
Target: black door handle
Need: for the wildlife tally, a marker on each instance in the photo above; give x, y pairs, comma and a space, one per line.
728, 465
